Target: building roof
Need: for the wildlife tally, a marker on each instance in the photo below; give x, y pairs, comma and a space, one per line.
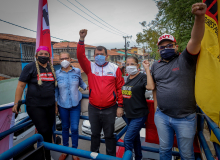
123, 52
113, 53
17, 38
69, 44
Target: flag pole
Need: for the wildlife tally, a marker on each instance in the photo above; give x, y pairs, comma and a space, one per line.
218, 3
39, 23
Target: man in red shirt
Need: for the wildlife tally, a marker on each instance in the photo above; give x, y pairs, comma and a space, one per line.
105, 82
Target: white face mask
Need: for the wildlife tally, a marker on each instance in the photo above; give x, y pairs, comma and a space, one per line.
65, 63
132, 70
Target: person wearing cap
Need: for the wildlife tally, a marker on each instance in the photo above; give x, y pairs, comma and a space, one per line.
105, 95
40, 98
174, 76
68, 100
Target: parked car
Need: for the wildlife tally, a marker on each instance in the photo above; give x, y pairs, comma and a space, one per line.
148, 95
86, 128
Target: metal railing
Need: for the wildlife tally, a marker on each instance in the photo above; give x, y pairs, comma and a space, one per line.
55, 147
87, 154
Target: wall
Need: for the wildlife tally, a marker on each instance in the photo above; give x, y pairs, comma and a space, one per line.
140, 51
84, 77
92, 53
71, 51
12, 49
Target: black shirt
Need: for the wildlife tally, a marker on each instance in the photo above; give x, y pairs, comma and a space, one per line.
175, 83
43, 95
134, 101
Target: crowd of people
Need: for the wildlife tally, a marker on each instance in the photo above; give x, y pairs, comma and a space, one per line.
172, 80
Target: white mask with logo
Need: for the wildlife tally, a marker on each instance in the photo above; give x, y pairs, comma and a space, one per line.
65, 63
132, 70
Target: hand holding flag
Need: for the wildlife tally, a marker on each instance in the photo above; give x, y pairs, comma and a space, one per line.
207, 88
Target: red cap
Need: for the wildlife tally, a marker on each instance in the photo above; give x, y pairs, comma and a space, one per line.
166, 37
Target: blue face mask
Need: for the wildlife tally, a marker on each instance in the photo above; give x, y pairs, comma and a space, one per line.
100, 60
167, 53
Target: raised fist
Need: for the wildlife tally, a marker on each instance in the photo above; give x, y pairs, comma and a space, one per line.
82, 34
199, 9
146, 64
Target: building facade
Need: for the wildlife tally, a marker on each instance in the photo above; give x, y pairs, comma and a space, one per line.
15, 53
71, 47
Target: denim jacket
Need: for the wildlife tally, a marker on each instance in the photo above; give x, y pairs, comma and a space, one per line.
67, 94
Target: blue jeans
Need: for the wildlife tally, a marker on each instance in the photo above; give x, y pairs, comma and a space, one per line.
185, 129
70, 120
132, 136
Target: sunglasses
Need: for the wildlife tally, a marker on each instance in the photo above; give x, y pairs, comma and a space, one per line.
167, 46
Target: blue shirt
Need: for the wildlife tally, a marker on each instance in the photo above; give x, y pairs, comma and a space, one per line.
67, 94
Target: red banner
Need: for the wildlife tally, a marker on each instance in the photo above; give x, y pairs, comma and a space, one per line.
43, 26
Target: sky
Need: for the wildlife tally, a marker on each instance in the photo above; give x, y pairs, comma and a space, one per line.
123, 15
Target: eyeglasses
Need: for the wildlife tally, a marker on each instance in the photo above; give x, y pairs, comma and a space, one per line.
167, 46
66, 58
131, 64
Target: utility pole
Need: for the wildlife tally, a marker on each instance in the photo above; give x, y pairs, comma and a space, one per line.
126, 45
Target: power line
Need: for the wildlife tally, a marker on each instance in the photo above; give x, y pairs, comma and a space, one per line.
98, 17
94, 18
28, 29
133, 42
86, 18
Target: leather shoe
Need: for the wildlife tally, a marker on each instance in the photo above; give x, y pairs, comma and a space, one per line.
63, 156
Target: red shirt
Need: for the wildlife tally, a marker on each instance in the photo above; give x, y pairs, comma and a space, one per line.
105, 81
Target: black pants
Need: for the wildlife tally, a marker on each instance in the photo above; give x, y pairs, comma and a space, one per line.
43, 119
103, 119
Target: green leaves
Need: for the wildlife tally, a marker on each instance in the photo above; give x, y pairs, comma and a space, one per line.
174, 17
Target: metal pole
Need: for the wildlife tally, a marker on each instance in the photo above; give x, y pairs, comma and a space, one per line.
125, 49
80, 152
21, 146
126, 46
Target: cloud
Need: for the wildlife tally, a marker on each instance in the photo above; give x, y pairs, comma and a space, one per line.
124, 15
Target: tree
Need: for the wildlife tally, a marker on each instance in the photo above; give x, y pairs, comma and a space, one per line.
174, 17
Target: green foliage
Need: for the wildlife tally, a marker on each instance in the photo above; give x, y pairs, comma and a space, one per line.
174, 17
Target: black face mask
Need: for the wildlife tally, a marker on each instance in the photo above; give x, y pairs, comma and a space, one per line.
168, 54
43, 59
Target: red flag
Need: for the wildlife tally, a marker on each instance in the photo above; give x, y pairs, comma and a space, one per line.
43, 26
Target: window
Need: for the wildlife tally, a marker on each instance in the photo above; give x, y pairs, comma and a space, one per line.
89, 54
28, 52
